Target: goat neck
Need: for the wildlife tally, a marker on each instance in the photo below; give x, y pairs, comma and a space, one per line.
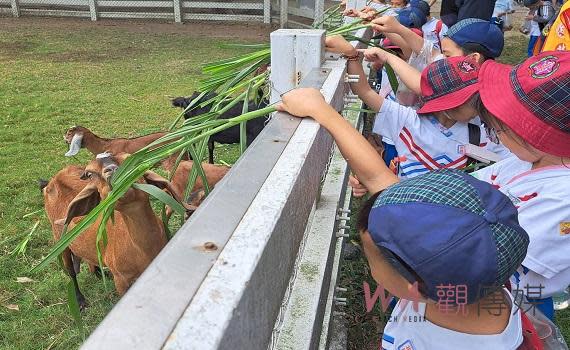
144, 228
94, 143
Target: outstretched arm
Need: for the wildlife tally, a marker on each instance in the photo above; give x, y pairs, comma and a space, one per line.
389, 24
410, 76
362, 158
338, 44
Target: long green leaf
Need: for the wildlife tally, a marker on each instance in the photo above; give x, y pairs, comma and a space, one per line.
73, 306
392, 77
243, 125
197, 169
161, 196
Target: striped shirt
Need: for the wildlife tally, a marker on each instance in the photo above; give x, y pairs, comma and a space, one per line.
423, 144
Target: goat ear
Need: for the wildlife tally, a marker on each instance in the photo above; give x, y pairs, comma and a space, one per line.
153, 178
82, 204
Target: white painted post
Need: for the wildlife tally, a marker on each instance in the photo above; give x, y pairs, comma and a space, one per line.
93, 9
284, 13
16, 8
294, 53
267, 11
177, 10
319, 10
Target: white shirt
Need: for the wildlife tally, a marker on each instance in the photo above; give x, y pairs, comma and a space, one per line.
423, 144
542, 197
534, 28
410, 330
502, 6
431, 33
390, 96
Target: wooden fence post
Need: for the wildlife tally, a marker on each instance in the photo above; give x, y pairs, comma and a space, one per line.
267, 11
93, 9
177, 11
284, 13
16, 8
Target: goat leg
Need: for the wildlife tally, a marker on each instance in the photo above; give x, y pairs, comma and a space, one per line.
211, 150
69, 263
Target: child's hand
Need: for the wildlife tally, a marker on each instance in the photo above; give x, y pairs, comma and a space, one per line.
351, 13
386, 24
367, 16
338, 44
375, 55
358, 190
303, 102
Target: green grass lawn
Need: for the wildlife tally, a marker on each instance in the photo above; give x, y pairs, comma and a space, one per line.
115, 82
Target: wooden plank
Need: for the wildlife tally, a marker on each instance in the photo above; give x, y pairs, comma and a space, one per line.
52, 2
224, 5
136, 15
219, 17
15, 8
135, 4
55, 13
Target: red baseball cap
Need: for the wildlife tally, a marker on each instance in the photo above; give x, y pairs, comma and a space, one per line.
448, 83
532, 99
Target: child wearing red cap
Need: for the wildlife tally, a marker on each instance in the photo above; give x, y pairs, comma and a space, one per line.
464, 236
431, 138
527, 108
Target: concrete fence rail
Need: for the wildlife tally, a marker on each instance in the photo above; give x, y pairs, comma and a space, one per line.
255, 267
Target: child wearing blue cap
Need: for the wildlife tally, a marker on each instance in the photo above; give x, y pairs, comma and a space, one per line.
474, 37
464, 238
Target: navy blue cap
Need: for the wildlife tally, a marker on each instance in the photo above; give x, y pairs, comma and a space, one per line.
474, 31
412, 17
421, 5
449, 228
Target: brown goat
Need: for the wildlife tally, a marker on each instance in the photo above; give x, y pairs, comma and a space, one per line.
80, 137
214, 173
135, 237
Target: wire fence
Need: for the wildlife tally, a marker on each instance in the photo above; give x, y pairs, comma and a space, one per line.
169, 10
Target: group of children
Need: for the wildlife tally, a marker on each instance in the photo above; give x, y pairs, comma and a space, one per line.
457, 239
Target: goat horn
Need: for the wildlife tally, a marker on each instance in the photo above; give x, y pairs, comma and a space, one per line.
74, 145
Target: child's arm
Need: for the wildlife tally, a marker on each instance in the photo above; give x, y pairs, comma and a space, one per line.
410, 76
360, 155
339, 45
389, 24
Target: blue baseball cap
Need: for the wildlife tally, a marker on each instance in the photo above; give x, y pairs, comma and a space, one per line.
421, 5
478, 35
446, 228
412, 17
